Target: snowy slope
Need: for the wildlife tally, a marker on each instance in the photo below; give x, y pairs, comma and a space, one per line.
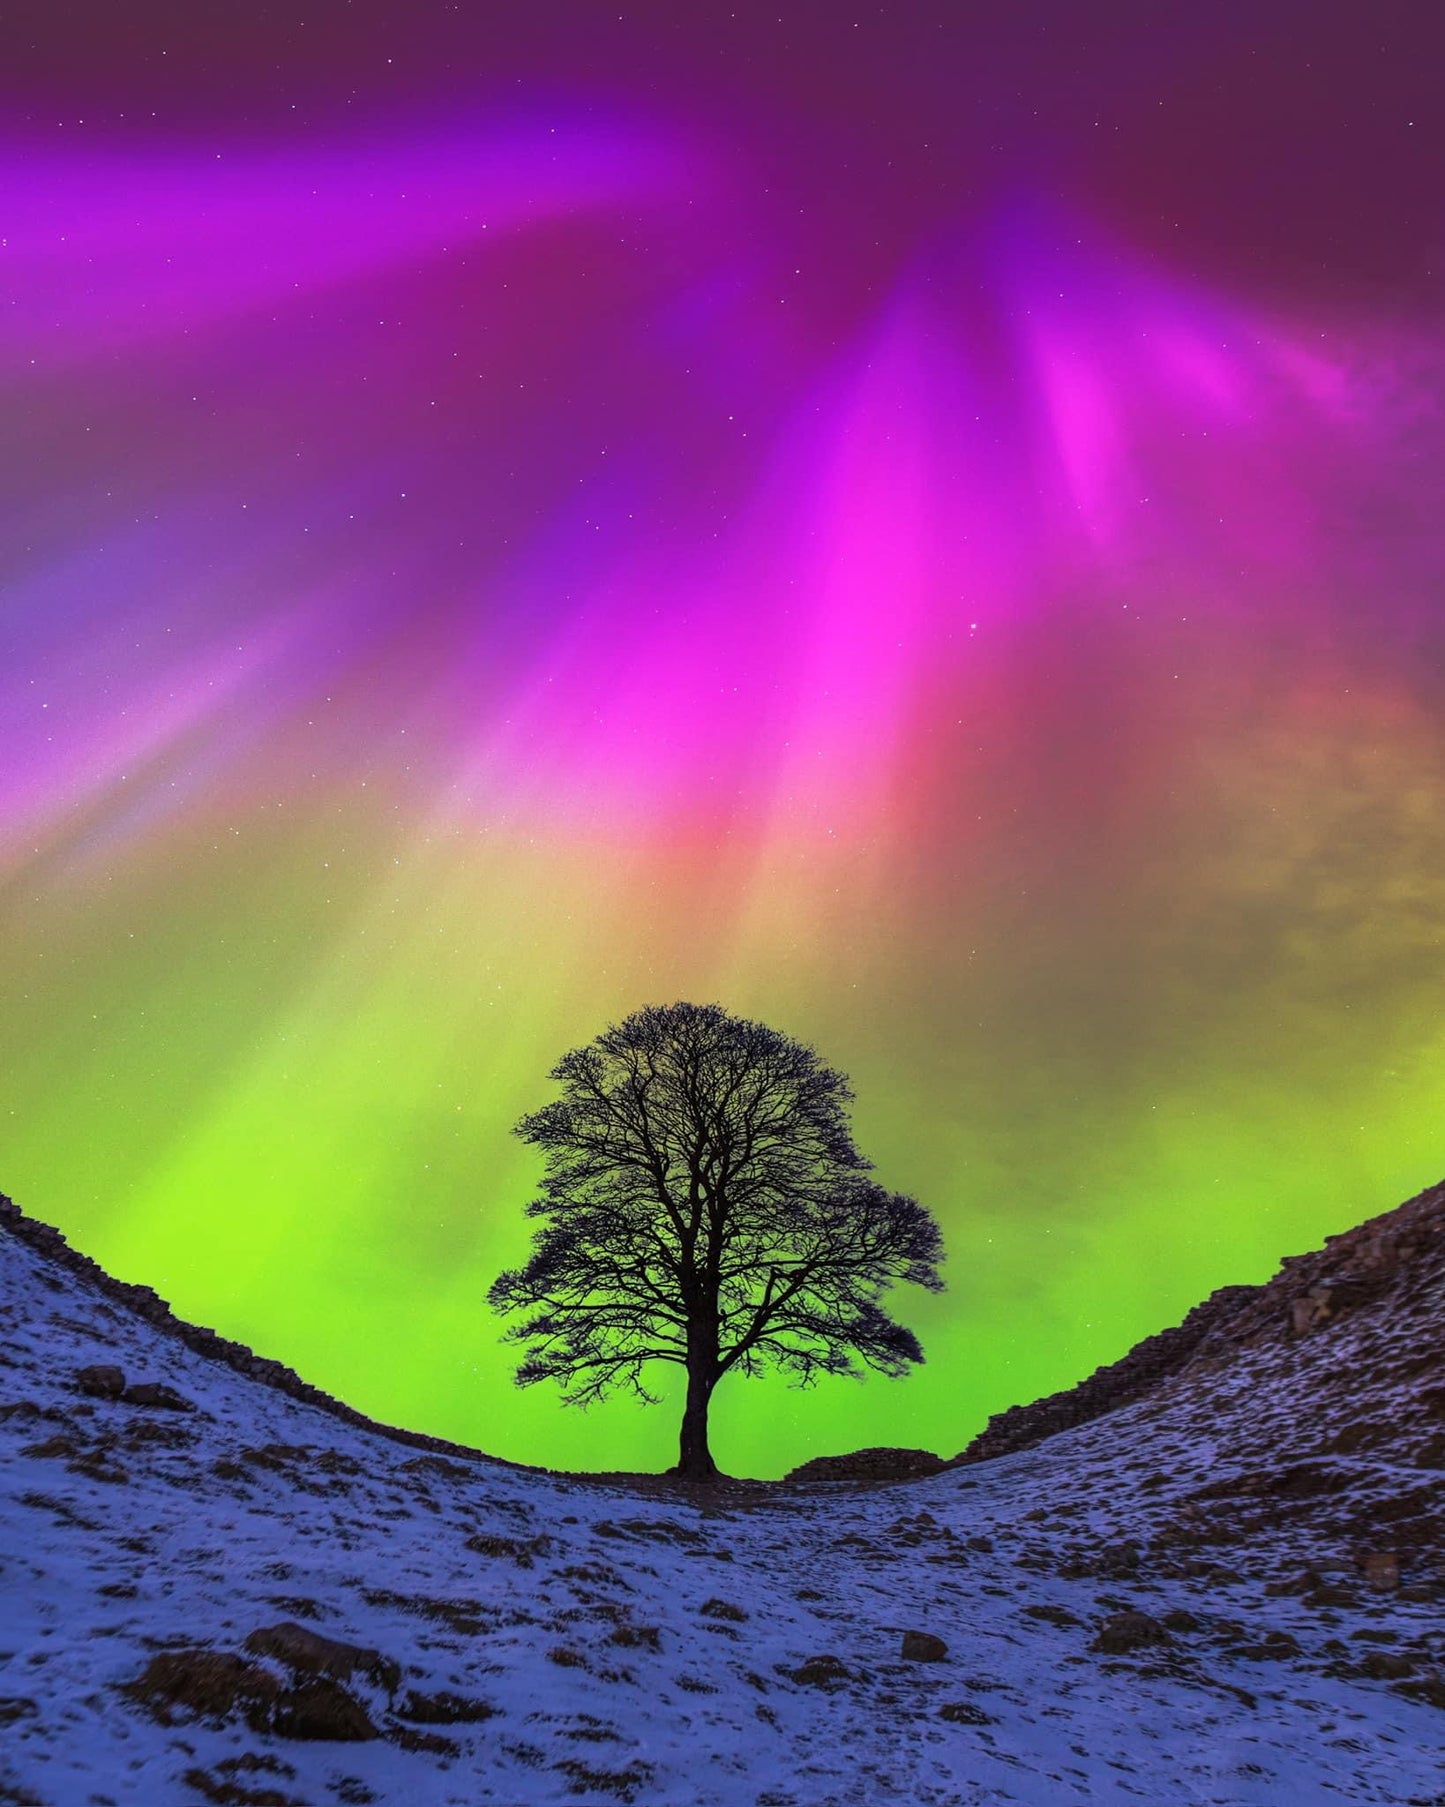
526, 1637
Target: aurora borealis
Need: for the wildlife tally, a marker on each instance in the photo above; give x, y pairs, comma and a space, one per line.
921, 527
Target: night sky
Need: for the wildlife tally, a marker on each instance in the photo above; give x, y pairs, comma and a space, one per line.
920, 525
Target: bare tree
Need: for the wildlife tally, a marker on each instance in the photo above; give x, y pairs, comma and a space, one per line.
704, 1204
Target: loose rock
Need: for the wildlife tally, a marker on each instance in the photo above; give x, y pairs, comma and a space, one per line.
321, 1709
101, 1381
1123, 1632
158, 1396
964, 1712
1380, 1569
824, 1671
443, 1708
309, 1652
207, 1684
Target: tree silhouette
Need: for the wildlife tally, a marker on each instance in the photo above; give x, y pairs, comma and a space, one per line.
704, 1204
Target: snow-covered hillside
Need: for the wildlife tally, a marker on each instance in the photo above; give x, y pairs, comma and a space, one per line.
217, 1592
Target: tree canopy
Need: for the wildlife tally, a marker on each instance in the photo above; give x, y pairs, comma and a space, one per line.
704, 1204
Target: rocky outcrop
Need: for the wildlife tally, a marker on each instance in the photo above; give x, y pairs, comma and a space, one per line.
870, 1465
197, 1682
308, 1652
1392, 1264
825, 1671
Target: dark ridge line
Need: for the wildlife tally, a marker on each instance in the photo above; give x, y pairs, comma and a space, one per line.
1343, 1274
1138, 1371
145, 1303
1309, 1292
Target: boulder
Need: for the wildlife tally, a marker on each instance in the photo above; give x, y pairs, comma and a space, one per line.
1331, 1595
196, 1681
308, 1652
321, 1709
101, 1381
156, 1395
824, 1671
1380, 1569
443, 1708
964, 1712
923, 1647
723, 1609
1427, 1688
870, 1465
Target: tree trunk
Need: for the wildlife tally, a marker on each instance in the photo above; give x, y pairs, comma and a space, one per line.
694, 1459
